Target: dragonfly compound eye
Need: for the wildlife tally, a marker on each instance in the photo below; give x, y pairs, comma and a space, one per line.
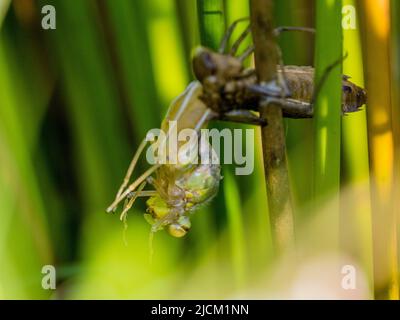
361, 97
179, 228
176, 230
354, 97
203, 64
347, 89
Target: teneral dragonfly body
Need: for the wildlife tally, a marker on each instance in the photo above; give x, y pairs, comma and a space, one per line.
229, 86
224, 90
184, 186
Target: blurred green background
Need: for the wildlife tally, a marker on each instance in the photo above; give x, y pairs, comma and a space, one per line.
75, 102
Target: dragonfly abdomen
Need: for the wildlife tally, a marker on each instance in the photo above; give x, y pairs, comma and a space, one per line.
300, 81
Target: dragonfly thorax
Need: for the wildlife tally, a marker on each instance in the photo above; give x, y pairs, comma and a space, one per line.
180, 192
208, 63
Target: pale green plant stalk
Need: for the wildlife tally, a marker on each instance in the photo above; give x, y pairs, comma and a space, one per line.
4, 4
211, 22
297, 48
327, 109
235, 228
211, 15
356, 228
25, 244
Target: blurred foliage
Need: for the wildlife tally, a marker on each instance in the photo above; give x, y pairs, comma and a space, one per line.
75, 104
382, 134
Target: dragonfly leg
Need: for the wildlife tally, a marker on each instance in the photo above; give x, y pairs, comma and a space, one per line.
132, 187
281, 75
228, 34
160, 191
271, 89
239, 41
291, 108
131, 167
129, 203
325, 75
267, 90
145, 193
279, 30
246, 53
243, 116
297, 109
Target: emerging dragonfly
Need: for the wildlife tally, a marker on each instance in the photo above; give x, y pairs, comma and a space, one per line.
228, 91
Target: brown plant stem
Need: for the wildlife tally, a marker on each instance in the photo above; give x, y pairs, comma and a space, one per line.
273, 138
381, 139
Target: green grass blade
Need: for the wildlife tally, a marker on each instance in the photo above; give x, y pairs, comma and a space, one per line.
327, 111
134, 63
167, 52
297, 50
24, 242
4, 4
211, 22
235, 227
356, 216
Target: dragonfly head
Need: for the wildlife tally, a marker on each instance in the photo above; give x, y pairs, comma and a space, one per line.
180, 227
161, 216
361, 97
354, 97
209, 63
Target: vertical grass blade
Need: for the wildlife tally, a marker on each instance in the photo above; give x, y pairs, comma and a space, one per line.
376, 23
4, 4
327, 109
297, 49
24, 240
134, 63
211, 22
167, 53
212, 28
254, 216
395, 53
274, 147
235, 187
355, 225
189, 28
92, 101
235, 227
